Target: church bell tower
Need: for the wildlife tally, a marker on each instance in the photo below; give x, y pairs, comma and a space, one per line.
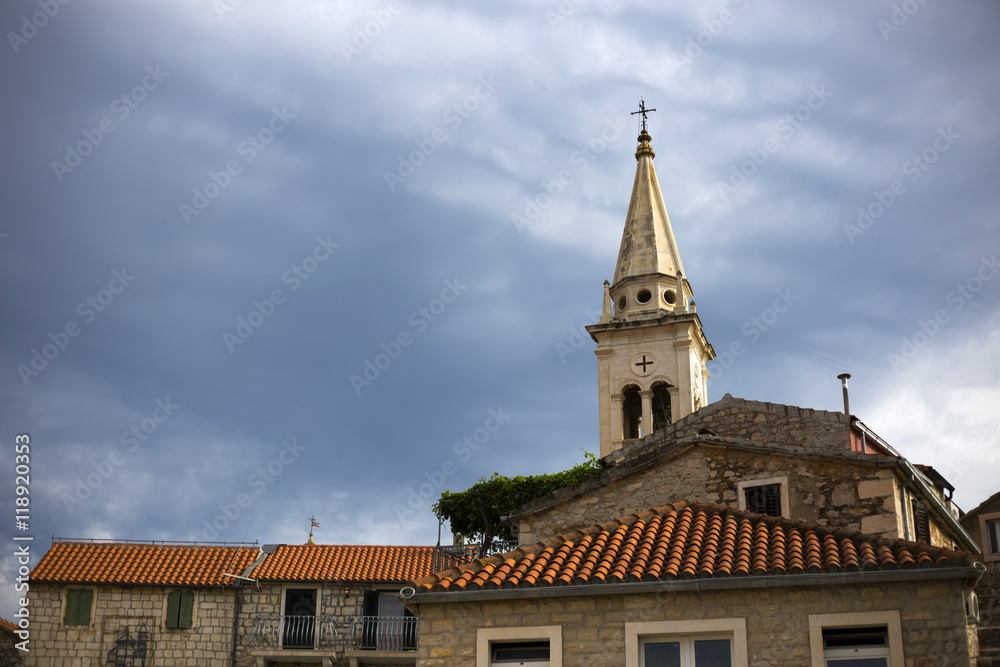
651, 349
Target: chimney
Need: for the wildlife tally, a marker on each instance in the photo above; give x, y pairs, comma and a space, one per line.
847, 403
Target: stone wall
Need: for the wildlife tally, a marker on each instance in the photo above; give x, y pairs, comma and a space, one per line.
9, 656
855, 492
988, 588
935, 633
56, 645
755, 421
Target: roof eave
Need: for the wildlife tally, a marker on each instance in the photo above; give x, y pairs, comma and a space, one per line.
970, 574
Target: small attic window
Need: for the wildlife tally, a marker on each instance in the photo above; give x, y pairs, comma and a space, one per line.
765, 499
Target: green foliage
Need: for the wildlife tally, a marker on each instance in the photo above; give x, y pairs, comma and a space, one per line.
475, 513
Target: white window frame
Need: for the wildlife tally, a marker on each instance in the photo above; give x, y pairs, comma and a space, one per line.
984, 519
734, 628
890, 619
535, 633
741, 496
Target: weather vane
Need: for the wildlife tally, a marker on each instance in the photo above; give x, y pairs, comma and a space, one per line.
643, 110
313, 524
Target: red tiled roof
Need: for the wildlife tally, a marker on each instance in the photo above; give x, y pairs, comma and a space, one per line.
688, 541
337, 562
142, 564
7, 625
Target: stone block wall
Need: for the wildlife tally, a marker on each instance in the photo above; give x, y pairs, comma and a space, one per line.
54, 644
9, 655
755, 421
935, 632
854, 493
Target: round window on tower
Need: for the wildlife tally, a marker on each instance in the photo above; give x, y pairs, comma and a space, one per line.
644, 296
621, 303
670, 297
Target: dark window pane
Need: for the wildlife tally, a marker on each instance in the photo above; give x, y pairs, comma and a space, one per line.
526, 651
662, 654
855, 662
712, 653
764, 499
992, 529
855, 637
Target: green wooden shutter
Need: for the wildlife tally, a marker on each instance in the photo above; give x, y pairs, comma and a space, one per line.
186, 610
78, 606
173, 602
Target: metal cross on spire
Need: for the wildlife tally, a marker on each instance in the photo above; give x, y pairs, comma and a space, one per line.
643, 110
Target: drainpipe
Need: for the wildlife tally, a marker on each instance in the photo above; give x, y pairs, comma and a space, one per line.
236, 621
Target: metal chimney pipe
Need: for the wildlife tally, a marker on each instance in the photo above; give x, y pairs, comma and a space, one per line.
847, 403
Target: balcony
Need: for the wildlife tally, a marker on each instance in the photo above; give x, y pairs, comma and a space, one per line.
286, 638
383, 640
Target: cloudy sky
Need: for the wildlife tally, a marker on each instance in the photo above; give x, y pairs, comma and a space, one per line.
263, 260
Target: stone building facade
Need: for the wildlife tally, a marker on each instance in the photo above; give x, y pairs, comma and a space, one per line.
983, 524
827, 470
218, 606
770, 591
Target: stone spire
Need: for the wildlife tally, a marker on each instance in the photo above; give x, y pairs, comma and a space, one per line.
651, 349
648, 245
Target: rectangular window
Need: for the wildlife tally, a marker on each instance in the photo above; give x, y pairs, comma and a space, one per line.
529, 646
78, 603
856, 647
387, 625
709, 643
692, 651
765, 499
764, 496
522, 654
866, 639
180, 610
299, 629
993, 537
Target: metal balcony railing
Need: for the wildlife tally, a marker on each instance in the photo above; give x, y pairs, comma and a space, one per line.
295, 632
383, 633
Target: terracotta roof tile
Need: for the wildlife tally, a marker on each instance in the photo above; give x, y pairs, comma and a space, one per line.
7, 625
142, 564
684, 541
338, 562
